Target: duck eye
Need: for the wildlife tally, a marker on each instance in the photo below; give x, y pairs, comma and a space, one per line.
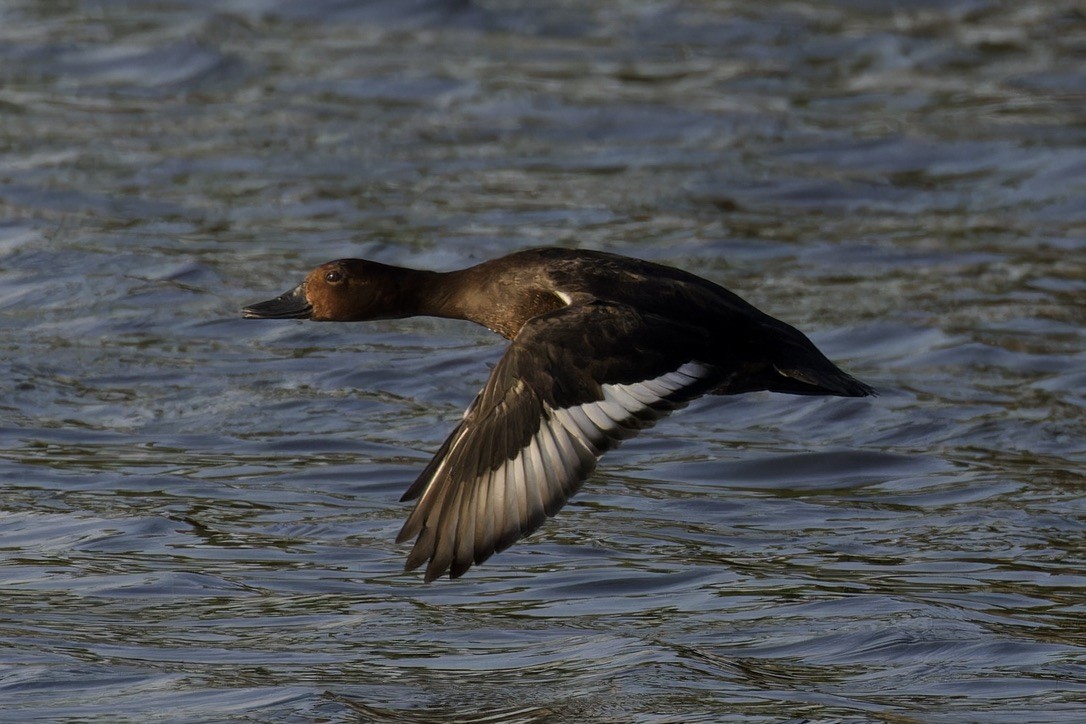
333, 277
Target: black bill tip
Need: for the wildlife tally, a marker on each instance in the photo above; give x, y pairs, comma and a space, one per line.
292, 305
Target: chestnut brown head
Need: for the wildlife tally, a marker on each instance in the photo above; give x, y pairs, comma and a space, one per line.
346, 290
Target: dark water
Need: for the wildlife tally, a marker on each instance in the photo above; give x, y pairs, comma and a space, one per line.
198, 512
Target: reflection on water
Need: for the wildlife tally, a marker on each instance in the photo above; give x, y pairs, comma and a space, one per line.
198, 513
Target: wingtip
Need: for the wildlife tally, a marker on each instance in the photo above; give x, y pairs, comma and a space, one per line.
822, 380
852, 387
411, 564
434, 569
459, 568
407, 532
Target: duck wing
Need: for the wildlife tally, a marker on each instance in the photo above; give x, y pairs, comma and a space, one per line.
573, 384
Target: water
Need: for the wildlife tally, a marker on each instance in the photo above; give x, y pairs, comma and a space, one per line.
199, 512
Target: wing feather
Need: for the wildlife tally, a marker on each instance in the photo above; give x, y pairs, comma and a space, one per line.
557, 400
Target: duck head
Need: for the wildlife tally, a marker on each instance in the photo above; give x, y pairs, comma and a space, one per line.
346, 290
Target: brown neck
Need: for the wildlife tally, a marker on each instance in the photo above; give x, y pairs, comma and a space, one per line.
482, 294
452, 295
469, 294
432, 294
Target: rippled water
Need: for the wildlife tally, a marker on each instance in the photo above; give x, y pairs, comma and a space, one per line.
199, 512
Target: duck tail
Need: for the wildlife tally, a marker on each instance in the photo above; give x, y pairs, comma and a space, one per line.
790, 363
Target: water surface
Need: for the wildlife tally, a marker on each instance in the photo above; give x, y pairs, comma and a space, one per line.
198, 512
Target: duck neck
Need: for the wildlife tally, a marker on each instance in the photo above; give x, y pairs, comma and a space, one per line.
467, 294
437, 294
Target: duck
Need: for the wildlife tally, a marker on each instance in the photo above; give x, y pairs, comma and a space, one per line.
601, 347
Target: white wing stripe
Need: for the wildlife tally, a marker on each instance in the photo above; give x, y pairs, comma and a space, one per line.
484, 532
514, 501
638, 392
584, 424
657, 388
497, 500
549, 453
613, 410
620, 395
566, 440
559, 468
533, 495
651, 392
592, 423
695, 370
577, 425
534, 469
600, 418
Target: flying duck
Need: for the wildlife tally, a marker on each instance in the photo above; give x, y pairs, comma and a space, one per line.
602, 347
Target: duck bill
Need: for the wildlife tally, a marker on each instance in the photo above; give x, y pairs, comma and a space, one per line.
292, 305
